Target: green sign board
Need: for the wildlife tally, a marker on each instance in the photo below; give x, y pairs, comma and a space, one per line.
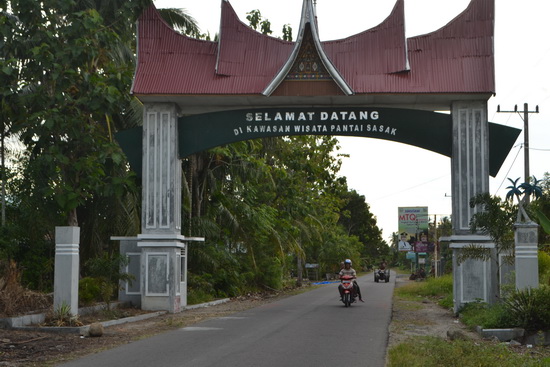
423, 129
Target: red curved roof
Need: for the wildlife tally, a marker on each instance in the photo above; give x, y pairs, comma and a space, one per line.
368, 60
458, 58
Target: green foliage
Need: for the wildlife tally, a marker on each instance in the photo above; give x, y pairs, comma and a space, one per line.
182, 22
287, 32
197, 296
62, 316
64, 92
270, 274
254, 17
432, 287
261, 204
529, 309
494, 218
255, 20
107, 272
89, 291
544, 267
543, 220
447, 302
436, 352
487, 316
358, 221
199, 289
541, 211
67, 68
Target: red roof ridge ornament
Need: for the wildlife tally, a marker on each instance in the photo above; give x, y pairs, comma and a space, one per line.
309, 16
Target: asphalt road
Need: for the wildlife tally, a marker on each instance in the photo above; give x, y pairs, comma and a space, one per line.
310, 329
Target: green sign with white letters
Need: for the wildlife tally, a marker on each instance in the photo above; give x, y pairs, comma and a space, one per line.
423, 129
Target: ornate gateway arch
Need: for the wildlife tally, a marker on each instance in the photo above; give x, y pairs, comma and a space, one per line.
379, 84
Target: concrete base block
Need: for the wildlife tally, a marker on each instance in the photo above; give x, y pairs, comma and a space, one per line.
504, 335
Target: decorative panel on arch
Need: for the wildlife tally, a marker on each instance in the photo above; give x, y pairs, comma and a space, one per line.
308, 64
161, 169
471, 161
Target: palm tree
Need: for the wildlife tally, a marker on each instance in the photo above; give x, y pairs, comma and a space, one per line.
526, 190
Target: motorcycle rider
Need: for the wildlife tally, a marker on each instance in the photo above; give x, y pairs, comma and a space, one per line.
348, 270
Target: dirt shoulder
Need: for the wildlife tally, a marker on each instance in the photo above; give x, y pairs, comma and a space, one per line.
422, 318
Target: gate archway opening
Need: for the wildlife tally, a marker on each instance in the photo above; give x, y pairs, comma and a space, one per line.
378, 84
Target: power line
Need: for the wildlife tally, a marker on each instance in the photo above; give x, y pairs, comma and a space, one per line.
410, 188
512, 165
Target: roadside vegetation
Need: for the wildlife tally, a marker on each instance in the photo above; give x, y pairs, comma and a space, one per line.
522, 309
266, 207
436, 352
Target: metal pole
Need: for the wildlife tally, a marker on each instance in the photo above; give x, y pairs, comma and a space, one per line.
526, 140
436, 272
526, 113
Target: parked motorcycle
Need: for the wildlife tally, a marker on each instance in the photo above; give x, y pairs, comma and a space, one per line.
348, 297
382, 275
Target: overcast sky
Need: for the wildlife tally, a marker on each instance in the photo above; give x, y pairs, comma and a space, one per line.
392, 175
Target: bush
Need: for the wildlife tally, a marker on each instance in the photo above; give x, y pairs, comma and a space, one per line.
14, 298
544, 268
485, 315
529, 308
199, 288
196, 296
270, 274
107, 271
89, 291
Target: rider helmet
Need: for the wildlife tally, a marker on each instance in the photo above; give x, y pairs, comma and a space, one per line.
347, 261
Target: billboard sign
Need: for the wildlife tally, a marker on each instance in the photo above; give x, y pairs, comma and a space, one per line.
413, 228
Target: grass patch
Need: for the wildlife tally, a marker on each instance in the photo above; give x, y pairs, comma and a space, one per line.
408, 306
196, 296
439, 289
436, 352
487, 316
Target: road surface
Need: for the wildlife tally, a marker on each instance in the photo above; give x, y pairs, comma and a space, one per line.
310, 329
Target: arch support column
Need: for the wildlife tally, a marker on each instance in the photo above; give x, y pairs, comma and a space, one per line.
160, 240
161, 175
470, 160
473, 279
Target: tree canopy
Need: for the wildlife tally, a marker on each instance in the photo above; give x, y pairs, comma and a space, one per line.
265, 206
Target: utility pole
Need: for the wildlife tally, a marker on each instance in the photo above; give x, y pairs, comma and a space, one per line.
436, 244
525, 118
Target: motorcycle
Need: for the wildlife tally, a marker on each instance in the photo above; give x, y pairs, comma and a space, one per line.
348, 296
382, 275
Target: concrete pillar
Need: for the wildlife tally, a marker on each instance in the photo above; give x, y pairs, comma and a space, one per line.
161, 239
470, 160
66, 273
161, 242
473, 279
527, 264
161, 175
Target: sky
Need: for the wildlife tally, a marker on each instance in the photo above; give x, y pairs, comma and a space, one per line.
392, 175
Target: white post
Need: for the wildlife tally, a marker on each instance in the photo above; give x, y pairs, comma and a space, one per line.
527, 264
67, 240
